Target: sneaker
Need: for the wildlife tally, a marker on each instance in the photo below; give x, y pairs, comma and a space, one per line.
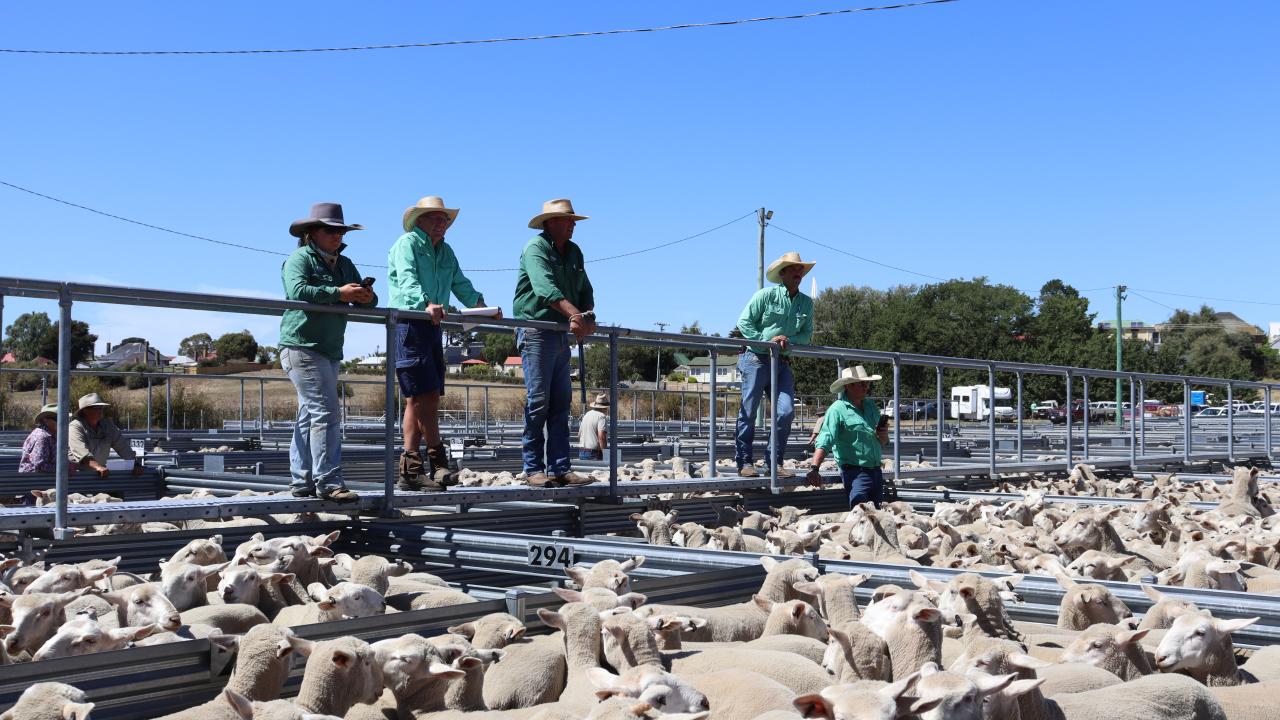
539, 480
573, 479
339, 495
302, 492
747, 471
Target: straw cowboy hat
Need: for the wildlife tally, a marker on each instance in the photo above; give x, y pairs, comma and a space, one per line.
554, 208
329, 214
851, 375
48, 411
600, 403
91, 400
787, 260
428, 204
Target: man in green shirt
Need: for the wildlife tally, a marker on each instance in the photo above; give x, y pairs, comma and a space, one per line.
311, 348
552, 285
851, 428
783, 315
422, 271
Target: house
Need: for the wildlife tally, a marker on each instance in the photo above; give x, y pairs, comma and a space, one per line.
1136, 330
182, 361
698, 370
1275, 335
1232, 323
474, 362
125, 354
8, 358
373, 361
513, 366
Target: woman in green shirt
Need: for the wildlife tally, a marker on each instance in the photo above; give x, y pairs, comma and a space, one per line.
850, 430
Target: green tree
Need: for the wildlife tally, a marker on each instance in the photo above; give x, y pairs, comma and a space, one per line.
26, 333
267, 354
82, 342
128, 340
236, 346
196, 346
497, 347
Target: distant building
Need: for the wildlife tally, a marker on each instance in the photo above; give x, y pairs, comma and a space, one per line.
1232, 323
182, 361
1274, 336
513, 366
698, 370
8, 358
373, 361
125, 354
1136, 330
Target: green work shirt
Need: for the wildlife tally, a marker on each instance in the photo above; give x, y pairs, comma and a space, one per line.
547, 276
850, 434
772, 312
308, 278
419, 272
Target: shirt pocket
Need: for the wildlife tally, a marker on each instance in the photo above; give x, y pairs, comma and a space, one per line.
776, 314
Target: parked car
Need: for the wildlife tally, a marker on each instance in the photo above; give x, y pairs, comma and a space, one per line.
1041, 409
1003, 412
1211, 412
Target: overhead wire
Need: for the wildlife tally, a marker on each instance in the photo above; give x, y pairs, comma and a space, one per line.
490, 41
1205, 297
854, 255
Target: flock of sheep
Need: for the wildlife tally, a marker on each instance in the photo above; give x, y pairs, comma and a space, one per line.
806, 645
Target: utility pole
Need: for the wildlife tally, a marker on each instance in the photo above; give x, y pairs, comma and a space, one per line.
657, 373
764, 216
1120, 296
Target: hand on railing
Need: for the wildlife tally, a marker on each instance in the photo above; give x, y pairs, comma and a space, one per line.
437, 313
783, 341
582, 324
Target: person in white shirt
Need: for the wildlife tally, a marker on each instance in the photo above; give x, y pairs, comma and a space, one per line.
593, 434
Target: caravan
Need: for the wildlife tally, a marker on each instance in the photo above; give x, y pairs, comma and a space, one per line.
973, 402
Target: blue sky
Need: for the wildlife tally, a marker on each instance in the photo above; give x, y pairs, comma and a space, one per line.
1099, 142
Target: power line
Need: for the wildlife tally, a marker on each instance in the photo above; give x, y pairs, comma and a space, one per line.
1214, 299
1157, 302
852, 255
674, 242
488, 41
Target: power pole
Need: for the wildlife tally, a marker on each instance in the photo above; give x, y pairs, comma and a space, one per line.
657, 373
1120, 296
764, 216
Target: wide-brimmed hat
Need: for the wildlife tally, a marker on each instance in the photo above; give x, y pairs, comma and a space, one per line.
329, 214
50, 410
601, 402
428, 204
787, 260
560, 207
91, 400
851, 375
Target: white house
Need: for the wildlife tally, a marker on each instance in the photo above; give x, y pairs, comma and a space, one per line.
699, 370
182, 361
373, 361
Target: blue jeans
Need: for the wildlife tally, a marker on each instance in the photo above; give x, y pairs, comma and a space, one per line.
755, 378
545, 357
315, 455
590, 454
863, 484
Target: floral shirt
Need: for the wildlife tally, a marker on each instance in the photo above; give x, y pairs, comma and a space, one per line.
37, 452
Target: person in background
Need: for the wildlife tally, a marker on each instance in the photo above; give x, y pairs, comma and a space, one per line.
40, 447
92, 436
593, 433
311, 348
851, 429
422, 271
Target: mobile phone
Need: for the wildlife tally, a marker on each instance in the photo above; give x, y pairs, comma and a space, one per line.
884, 422
368, 282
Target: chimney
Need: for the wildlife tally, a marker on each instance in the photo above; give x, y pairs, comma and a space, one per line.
108, 347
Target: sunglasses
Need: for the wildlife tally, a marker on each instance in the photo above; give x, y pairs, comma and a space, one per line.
331, 230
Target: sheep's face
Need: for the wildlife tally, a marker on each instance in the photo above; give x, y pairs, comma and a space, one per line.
668, 693
240, 585
36, 617
404, 659
1195, 640
22, 578
184, 583
64, 578
202, 552
84, 635
146, 605
350, 600
1096, 646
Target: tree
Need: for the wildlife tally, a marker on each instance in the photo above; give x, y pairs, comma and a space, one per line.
497, 347
267, 354
196, 346
236, 346
26, 333
128, 340
82, 342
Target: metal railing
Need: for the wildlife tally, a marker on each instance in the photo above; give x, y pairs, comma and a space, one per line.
66, 293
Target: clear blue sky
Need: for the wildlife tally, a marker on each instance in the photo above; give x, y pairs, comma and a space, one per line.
1100, 142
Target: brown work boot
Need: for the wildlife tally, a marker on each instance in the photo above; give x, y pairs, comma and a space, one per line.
411, 471
573, 479
441, 473
539, 480
340, 495
785, 473
747, 471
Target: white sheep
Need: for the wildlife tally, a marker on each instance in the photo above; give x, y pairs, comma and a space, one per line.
49, 701
84, 635
1199, 645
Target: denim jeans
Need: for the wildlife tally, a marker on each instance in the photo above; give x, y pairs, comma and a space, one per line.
755, 378
315, 455
545, 357
863, 484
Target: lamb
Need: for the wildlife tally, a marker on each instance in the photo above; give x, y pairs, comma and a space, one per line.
793, 671
1086, 604
532, 673
262, 665
1111, 648
960, 697
855, 653
690, 534
339, 674
492, 631
415, 672
64, 578
608, 574
375, 571
466, 694
341, 602
1161, 696
1243, 496
653, 685
245, 584
84, 635
185, 584
49, 701
1165, 610
859, 701
1199, 645
741, 694
835, 594
133, 607
36, 617
973, 594
229, 618
655, 526
794, 617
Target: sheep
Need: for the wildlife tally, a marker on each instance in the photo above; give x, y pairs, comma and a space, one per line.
855, 653
650, 684
133, 606
263, 660
1152, 697
1098, 565
229, 618
1085, 604
806, 647
959, 697
64, 578
1111, 648
1165, 610
36, 617
627, 640
415, 671
492, 631
375, 571
690, 534
608, 574
84, 635
835, 594
668, 629
49, 701
973, 594
339, 673
185, 584
859, 701
532, 673
1199, 645
655, 526
466, 694
1243, 496
794, 617
601, 599
428, 598
341, 602
245, 584
740, 693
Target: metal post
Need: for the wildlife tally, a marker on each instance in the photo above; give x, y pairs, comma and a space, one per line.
148, 406
343, 388
262, 409
241, 428
775, 357
682, 411
711, 409
1069, 458
485, 417
466, 409
389, 420
1231, 423
1120, 296
1133, 428
62, 474
1019, 410
653, 412
897, 423
635, 411
1086, 418
763, 216
1142, 418
939, 409
613, 414
1186, 422
168, 408
44, 388
1266, 420
991, 420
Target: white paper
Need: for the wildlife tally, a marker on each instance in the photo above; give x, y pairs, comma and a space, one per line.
477, 312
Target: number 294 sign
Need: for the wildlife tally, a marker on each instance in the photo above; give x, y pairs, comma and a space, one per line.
550, 555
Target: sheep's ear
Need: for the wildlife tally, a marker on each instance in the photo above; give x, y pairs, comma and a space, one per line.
632, 563
444, 672
988, 684
257, 537
909, 705
343, 658
216, 540
576, 574
856, 580
768, 563
74, 711
927, 614
1128, 637
814, 706
1230, 626
327, 540
230, 643
280, 578
632, 600
292, 643
207, 570
808, 588
466, 630
467, 663
551, 618
636, 517
239, 703
920, 581
1012, 581
671, 516
450, 652
6, 629
1021, 687
1065, 582
568, 595
967, 591
602, 679
318, 592
762, 602
321, 552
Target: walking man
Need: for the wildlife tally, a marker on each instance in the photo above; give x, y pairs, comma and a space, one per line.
593, 433
783, 315
552, 285
311, 348
422, 271
851, 430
